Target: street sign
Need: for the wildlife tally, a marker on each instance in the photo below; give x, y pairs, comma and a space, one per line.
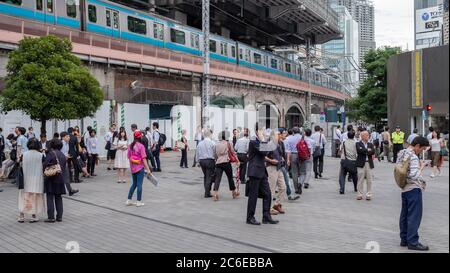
424, 114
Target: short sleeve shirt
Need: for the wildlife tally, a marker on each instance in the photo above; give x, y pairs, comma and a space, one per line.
138, 151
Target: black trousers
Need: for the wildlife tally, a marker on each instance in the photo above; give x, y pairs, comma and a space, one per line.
220, 168
318, 163
74, 171
342, 174
183, 161
67, 179
54, 200
397, 148
243, 159
208, 168
258, 187
92, 160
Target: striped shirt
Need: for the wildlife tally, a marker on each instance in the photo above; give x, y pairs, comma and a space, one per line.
414, 178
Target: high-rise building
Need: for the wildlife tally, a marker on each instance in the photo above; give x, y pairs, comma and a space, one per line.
429, 23
446, 24
363, 12
342, 55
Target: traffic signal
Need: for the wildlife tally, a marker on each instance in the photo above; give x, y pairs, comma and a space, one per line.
429, 107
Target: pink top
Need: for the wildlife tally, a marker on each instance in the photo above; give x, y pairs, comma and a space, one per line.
138, 153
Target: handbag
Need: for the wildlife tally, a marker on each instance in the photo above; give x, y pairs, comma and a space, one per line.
318, 149
347, 164
401, 172
443, 152
108, 145
231, 156
53, 170
19, 178
181, 145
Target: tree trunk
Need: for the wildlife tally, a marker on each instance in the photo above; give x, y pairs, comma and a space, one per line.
43, 126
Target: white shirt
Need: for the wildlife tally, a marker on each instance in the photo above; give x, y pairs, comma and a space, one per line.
411, 138
319, 139
241, 146
374, 136
108, 136
199, 136
344, 137
430, 136
337, 134
311, 144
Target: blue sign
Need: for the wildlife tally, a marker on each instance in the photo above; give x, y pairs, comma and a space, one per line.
426, 16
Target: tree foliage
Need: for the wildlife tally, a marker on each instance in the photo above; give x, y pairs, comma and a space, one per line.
371, 103
46, 81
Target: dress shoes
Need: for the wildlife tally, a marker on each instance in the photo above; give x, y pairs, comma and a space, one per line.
253, 222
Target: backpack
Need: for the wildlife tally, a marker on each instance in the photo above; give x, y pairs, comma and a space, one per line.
401, 172
162, 139
303, 150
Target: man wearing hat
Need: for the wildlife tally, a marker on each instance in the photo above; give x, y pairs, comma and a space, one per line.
398, 138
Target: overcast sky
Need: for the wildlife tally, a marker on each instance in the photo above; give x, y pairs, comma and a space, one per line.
394, 23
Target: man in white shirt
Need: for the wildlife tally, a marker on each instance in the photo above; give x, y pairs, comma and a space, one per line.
320, 141
156, 146
344, 136
198, 138
337, 134
241, 149
307, 165
412, 136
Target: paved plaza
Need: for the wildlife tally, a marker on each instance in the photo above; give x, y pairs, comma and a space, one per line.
176, 217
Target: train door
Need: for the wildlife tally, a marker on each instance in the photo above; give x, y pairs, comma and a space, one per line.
49, 12
113, 22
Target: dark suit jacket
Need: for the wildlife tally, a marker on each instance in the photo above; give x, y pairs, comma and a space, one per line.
47, 145
256, 160
364, 155
73, 146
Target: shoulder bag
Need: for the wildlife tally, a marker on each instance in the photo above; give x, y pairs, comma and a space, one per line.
401, 172
53, 170
231, 156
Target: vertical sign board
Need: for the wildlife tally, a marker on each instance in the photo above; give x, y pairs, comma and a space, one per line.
417, 80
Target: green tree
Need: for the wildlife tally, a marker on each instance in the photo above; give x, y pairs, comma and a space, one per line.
370, 105
46, 81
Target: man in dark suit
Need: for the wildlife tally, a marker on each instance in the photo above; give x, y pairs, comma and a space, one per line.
73, 154
364, 162
43, 144
258, 184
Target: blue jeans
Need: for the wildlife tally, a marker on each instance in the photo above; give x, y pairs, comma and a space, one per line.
411, 216
286, 180
138, 179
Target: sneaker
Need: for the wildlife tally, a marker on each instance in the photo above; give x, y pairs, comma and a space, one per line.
296, 197
432, 175
139, 204
129, 203
359, 198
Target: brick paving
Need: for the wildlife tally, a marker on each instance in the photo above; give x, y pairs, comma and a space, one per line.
176, 217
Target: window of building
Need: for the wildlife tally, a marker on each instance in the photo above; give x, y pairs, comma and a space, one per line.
39, 5
137, 25
224, 49
257, 58
274, 63
158, 31
195, 40
212, 46
92, 13
71, 8
14, 2
49, 6
177, 36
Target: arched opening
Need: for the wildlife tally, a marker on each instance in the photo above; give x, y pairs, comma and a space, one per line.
268, 116
294, 117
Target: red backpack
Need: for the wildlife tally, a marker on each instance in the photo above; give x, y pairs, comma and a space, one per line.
303, 150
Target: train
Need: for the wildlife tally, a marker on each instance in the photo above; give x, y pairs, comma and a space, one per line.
122, 22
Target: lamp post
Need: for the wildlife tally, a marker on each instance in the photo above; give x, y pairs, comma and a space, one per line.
206, 63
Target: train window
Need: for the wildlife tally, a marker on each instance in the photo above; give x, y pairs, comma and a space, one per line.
274, 63
247, 55
108, 18
50, 6
39, 5
14, 2
116, 19
265, 60
195, 40
158, 31
137, 25
212, 46
71, 8
224, 49
92, 13
288, 68
177, 36
240, 54
233, 51
257, 58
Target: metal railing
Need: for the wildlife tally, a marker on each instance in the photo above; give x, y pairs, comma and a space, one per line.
321, 8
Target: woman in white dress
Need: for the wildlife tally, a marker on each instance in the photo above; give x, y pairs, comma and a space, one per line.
31, 197
121, 162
